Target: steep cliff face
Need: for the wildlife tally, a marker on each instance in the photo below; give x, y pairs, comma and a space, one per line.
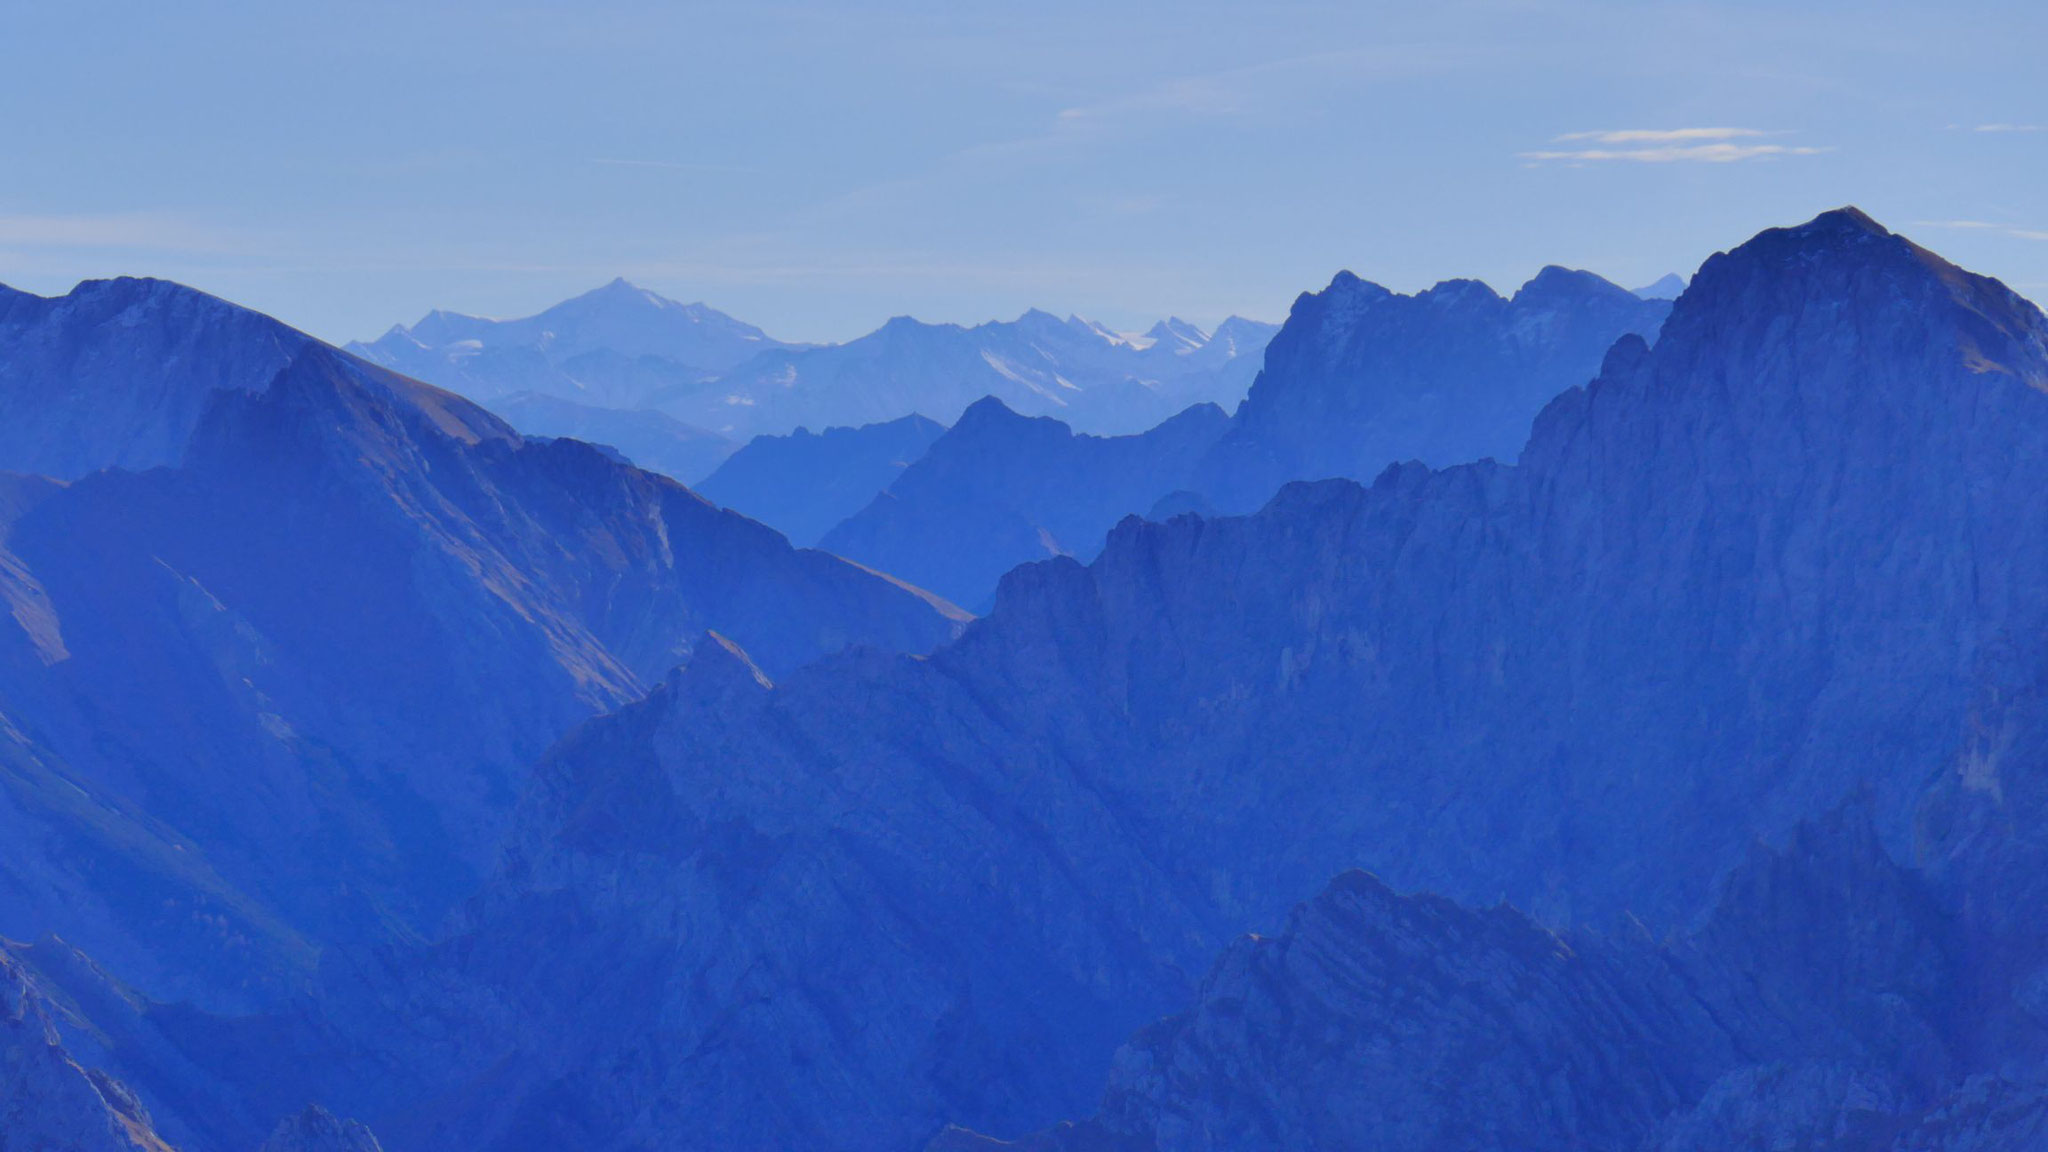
1360, 377
1770, 563
999, 490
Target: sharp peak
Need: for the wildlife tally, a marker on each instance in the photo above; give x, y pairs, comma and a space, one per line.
1846, 256
988, 408
1846, 218
1840, 233
1347, 282
620, 288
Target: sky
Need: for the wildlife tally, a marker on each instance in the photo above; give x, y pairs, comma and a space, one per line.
817, 168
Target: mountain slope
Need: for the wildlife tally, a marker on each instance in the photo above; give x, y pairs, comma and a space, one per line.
804, 483
1361, 377
285, 694
1768, 564
999, 489
118, 373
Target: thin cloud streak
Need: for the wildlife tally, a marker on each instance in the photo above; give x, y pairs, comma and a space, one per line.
1985, 226
1662, 135
1721, 153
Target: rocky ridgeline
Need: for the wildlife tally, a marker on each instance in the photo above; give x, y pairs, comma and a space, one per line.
1766, 565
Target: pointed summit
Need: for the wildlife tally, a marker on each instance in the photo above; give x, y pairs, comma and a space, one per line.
1177, 334
1665, 287
1844, 279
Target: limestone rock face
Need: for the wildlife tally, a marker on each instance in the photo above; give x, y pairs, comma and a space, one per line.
48, 1102
317, 1130
1769, 564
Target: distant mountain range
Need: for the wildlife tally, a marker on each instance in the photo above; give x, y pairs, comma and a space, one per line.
624, 347
611, 347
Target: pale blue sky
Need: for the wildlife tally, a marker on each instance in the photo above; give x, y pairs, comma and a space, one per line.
816, 168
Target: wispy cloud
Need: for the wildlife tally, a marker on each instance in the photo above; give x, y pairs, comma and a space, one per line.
1715, 151
2010, 128
1986, 226
1661, 135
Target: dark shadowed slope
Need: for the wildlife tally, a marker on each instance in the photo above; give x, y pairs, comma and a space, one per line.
1768, 564
804, 483
999, 489
1813, 1010
1361, 377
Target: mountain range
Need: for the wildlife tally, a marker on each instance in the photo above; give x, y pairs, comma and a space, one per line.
1661, 775
626, 348
1452, 374
1759, 571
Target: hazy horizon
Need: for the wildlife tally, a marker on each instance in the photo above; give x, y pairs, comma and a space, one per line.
816, 171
